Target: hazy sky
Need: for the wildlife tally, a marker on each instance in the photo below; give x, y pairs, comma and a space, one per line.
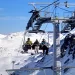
14, 15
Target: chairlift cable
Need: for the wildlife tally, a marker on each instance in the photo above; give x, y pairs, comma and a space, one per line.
53, 12
49, 5
44, 29
64, 9
22, 42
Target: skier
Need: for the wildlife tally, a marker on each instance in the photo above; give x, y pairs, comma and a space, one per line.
36, 46
44, 46
28, 45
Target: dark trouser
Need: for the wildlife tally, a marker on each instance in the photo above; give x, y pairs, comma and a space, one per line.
45, 50
26, 48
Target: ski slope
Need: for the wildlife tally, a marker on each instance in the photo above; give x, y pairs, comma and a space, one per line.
10, 51
11, 47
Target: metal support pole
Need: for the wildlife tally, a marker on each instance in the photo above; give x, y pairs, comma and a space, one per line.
24, 40
13, 62
54, 46
56, 41
48, 37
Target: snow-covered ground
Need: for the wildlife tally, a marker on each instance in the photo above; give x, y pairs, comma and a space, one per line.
10, 51
12, 58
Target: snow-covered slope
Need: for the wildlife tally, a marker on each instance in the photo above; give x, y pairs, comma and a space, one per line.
2, 36
11, 47
11, 56
67, 60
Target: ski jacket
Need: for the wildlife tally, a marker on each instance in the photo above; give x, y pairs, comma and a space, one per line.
44, 43
28, 42
36, 43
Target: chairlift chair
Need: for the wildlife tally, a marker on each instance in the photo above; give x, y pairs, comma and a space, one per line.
69, 26
30, 31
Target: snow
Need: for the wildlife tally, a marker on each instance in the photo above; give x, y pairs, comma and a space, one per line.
12, 58
2, 36
10, 50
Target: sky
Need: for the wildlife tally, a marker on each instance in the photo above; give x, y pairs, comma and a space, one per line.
14, 15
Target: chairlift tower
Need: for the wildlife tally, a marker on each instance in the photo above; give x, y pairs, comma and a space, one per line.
56, 47
56, 43
56, 40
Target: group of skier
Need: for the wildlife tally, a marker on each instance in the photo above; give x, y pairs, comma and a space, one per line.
36, 46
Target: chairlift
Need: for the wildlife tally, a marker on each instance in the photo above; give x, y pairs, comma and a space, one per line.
36, 31
36, 28
24, 41
68, 25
